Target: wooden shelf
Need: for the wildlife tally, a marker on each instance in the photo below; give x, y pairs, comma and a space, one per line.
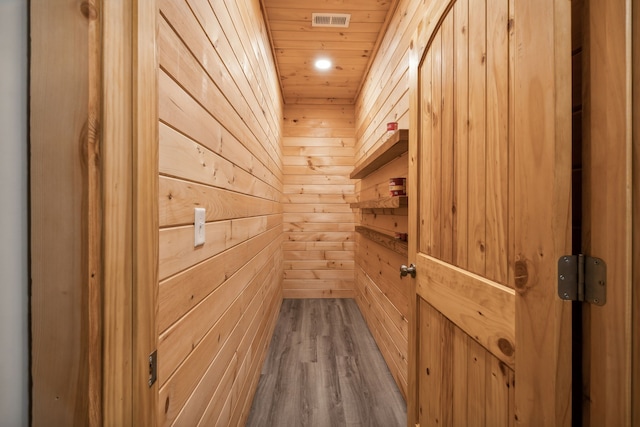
392, 148
385, 240
386, 202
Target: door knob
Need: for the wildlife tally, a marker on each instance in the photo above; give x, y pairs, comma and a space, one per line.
404, 270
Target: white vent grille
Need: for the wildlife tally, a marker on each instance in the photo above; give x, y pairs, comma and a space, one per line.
340, 20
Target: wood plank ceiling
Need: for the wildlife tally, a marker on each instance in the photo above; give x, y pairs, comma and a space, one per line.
297, 45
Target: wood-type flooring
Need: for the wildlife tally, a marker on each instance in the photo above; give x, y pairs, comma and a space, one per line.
323, 368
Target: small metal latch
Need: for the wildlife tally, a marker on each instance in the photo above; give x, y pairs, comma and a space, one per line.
153, 367
582, 278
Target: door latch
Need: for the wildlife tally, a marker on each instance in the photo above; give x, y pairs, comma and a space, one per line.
153, 367
582, 278
404, 270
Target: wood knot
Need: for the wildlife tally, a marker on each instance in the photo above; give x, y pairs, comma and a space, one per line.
89, 11
505, 347
521, 274
504, 370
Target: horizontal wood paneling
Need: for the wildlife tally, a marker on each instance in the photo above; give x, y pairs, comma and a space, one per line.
219, 148
382, 296
318, 222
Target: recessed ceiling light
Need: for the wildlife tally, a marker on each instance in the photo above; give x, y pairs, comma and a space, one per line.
323, 64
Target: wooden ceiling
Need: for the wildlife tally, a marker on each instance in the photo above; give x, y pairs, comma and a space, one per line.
297, 45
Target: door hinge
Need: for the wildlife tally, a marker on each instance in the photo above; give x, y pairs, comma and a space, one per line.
582, 278
153, 367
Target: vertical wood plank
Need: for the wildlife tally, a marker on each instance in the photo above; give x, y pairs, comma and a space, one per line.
460, 374
93, 198
447, 154
446, 377
497, 143
607, 176
65, 271
635, 333
425, 354
117, 196
461, 133
477, 136
425, 143
497, 393
145, 208
543, 179
434, 371
435, 170
512, 152
477, 383
512, 399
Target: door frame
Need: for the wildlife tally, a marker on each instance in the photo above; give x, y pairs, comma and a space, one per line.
93, 79
130, 208
543, 388
610, 205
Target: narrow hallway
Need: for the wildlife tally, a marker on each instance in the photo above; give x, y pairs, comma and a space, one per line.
323, 368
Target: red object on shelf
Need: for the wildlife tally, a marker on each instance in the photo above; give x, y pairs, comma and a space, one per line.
398, 186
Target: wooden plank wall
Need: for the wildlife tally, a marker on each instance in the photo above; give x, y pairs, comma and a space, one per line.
318, 222
382, 296
220, 148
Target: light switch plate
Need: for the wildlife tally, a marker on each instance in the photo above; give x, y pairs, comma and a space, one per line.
199, 227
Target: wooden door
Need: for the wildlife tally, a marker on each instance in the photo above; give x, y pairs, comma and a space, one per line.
489, 190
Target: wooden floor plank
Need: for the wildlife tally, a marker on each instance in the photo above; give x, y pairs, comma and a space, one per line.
324, 369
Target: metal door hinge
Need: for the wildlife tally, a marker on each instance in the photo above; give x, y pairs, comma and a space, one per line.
582, 278
153, 367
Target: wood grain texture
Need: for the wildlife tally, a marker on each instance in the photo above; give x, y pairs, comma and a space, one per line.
65, 232
477, 167
316, 199
461, 382
483, 309
385, 240
145, 212
542, 210
220, 129
461, 133
381, 295
607, 175
391, 147
323, 368
499, 211
297, 44
117, 158
635, 333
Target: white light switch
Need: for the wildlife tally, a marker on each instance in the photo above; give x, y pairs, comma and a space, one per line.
200, 216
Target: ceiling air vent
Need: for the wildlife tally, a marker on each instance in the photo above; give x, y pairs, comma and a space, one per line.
340, 20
